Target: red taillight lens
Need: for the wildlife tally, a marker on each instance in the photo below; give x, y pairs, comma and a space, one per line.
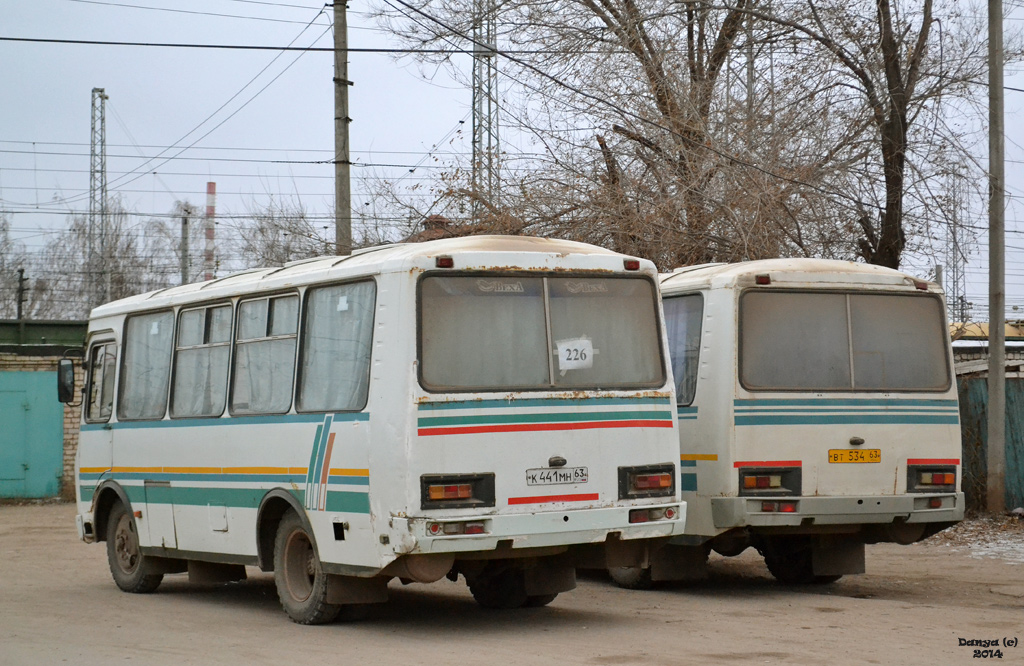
462, 491
935, 503
769, 506
787, 507
652, 481
631, 264
444, 262
762, 279
639, 516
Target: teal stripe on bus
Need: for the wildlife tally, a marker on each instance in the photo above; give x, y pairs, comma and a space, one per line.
686, 413
243, 498
272, 419
540, 417
347, 502
312, 455
541, 402
845, 402
847, 419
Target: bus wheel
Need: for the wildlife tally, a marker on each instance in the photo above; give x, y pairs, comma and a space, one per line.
503, 590
538, 600
300, 580
128, 565
791, 563
632, 578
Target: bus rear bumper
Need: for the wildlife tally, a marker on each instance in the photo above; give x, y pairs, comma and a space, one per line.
730, 512
537, 530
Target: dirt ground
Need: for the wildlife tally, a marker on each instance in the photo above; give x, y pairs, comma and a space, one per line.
914, 606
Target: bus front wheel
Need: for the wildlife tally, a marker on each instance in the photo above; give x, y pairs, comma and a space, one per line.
128, 565
300, 580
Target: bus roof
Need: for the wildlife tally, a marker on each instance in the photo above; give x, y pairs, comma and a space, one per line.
819, 272
482, 251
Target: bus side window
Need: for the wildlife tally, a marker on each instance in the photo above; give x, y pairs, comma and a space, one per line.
265, 355
683, 320
336, 341
101, 383
146, 367
201, 362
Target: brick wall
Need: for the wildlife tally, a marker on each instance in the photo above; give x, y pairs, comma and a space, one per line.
72, 412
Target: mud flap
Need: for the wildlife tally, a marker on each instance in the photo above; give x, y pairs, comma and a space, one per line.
679, 563
837, 557
549, 579
353, 590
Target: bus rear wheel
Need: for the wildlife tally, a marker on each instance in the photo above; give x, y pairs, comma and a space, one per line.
300, 580
791, 562
503, 589
632, 578
128, 565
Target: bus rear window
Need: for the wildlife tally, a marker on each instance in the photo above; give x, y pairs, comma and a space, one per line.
518, 332
842, 342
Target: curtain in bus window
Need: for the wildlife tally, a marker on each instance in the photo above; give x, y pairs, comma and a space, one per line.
898, 342
792, 340
683, 316
265, 368
101, 383
335, 366
147, 366
604, 332
483, 332
201, 370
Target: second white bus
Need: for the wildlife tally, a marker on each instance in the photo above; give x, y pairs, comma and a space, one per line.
817, 412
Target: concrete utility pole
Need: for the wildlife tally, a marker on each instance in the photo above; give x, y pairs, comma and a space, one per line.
996, 486
183, 246
342, 183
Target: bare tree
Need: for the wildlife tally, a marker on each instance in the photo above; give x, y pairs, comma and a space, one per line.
649, 145
278, 232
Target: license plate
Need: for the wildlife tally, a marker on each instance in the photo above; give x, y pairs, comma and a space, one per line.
854, 455
553, 476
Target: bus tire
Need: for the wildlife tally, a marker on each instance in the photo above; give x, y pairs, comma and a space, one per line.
632, 578
792, 564
502, 590
128, 565
539, 600
300, 580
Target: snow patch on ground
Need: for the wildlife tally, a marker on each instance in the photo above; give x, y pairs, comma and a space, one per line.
997, 537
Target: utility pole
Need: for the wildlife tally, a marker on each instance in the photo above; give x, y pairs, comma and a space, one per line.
183, 246
342, 183
208, 228
21, 291
98, 259
996, 482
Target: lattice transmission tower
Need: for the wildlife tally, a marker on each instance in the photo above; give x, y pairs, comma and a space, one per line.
486, 145
98, 270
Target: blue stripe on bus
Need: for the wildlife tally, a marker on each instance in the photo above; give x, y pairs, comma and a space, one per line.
688, 481
270, 419
686, 413
540, 402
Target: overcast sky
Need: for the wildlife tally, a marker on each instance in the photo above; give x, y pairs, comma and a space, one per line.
242, 115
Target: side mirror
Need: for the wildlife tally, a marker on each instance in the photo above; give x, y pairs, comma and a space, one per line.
66, 380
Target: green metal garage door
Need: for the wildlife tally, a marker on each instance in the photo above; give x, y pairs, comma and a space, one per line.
31, 435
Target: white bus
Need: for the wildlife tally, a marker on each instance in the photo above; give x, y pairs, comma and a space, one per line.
817, 412
500, 408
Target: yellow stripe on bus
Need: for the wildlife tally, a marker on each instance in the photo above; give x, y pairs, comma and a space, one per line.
699, 456
350, 472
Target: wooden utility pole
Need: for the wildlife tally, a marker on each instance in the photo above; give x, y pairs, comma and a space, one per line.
342, 184
996, 482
